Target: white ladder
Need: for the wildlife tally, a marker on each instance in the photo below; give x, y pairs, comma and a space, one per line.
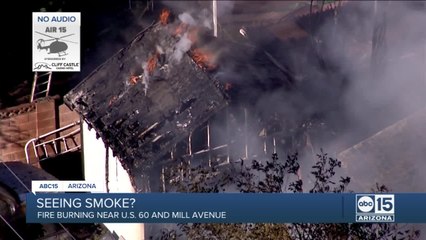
56, 142
41, 85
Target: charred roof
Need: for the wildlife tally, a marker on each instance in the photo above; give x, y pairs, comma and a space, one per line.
153, 93
140, 111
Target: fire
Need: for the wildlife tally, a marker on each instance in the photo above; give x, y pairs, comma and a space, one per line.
152, 63
193, 34
164, 16
134, 79
112, 100
180, 29
204, 58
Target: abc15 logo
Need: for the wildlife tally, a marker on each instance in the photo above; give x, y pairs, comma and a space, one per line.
375, 203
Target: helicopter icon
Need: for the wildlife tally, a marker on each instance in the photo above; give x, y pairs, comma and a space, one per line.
57, 46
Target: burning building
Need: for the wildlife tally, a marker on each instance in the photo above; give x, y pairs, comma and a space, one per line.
177, 92
270, 82
159, 90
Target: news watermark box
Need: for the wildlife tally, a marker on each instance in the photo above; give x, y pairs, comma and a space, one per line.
56, 41
375, 208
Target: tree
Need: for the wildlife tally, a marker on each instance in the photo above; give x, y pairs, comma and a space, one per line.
274, 176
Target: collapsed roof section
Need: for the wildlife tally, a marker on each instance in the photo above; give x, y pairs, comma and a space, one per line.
142, 101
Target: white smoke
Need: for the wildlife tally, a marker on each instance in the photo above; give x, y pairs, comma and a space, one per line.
145, 77
205, 18
224, 7
353, 103
184, 44
187, 18
181, 47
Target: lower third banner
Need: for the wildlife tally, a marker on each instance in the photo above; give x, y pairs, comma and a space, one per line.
224, 208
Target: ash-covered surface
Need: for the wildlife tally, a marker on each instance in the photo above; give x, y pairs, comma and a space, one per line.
141, 112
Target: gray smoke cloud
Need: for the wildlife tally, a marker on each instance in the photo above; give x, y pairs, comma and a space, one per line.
346, 101
339, 96
377, 96
182, 46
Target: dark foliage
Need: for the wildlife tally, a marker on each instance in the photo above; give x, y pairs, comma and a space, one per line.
274, 176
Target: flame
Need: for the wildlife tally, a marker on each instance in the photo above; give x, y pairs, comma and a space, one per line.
180, 29
112, 100
193, 34
152, 63
164, 16
134, 79
204, 58
183, 28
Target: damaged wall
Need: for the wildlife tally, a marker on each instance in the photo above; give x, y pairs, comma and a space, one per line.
102, 168
26, 121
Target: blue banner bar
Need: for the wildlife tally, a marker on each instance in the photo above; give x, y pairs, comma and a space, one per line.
225, 208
